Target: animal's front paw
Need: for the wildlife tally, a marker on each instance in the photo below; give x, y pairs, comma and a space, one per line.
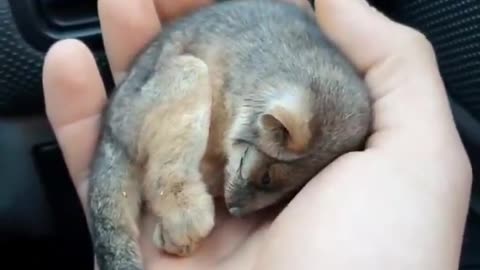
182, 226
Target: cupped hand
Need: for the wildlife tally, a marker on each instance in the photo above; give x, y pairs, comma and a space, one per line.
400, 204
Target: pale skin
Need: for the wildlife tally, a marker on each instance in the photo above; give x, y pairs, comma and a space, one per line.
400, 204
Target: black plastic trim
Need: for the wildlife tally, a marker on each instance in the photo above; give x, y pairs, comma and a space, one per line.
70, 13
22, 200
41, 218
41, 31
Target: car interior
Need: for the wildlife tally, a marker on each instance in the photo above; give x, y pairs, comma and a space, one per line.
41, 219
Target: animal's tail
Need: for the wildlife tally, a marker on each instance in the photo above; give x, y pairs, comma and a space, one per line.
113, 205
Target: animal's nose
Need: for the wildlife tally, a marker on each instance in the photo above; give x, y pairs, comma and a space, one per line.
238, 199
235, 211
236, 207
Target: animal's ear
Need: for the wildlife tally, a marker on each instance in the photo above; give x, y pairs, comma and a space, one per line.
288, 127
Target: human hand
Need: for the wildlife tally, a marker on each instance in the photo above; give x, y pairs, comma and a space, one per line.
75, 97
411, 184
401, 203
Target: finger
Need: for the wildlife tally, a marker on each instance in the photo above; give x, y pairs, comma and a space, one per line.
410, 101
390, 54
168, 10
127, 27
301, 3
74, 98
355, 26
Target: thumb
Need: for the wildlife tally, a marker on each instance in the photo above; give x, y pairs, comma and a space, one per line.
411, 108
365, 35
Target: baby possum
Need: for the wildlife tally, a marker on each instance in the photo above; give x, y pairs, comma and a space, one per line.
243, 99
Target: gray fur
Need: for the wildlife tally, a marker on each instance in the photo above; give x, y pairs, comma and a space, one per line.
264, 46
114, 247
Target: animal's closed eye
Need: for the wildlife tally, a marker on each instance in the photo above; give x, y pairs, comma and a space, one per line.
265, 183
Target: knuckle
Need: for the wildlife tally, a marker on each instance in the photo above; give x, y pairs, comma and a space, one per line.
415, 38
411, 41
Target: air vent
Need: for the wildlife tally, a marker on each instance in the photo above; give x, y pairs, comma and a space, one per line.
43, 22
70, 13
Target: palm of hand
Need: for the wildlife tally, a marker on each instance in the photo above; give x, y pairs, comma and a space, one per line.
233, 244
233, 241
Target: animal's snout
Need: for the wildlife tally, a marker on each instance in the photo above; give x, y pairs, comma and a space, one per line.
235, 206
236, 211
238, 200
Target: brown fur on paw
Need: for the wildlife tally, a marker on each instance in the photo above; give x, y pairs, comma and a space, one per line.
187, 217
